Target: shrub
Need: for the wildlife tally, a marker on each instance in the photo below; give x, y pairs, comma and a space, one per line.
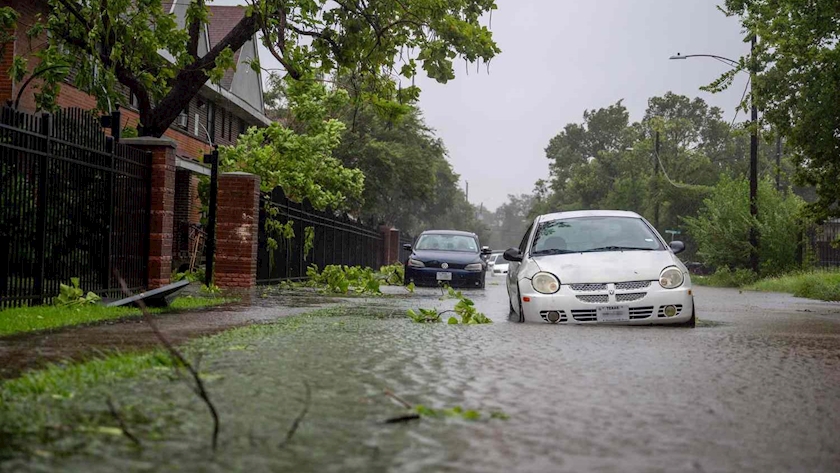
722, 227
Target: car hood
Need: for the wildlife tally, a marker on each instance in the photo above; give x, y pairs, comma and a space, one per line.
457, 257
607, 266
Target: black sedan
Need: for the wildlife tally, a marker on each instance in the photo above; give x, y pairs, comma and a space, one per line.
446, 257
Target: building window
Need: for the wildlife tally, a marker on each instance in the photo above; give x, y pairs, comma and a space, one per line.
224, 117
134, 102
211, 121
183, 118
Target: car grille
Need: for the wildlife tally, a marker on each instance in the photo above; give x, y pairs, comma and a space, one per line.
544, 315
584, 315
640, 312
588, 287
436, 264
662, 310
629, 297
594, 298
589, 315
629, 286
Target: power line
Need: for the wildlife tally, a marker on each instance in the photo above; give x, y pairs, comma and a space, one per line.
738, 108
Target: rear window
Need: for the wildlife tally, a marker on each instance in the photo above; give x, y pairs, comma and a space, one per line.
586, 234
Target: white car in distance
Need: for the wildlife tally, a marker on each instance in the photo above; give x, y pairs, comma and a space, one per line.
498, 266
598, 266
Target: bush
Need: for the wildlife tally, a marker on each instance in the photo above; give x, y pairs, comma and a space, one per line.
722, 227
823, 285
724, 277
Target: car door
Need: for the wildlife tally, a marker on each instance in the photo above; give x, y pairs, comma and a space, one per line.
513, 269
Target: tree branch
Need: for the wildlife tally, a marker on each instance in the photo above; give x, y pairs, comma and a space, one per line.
195, 33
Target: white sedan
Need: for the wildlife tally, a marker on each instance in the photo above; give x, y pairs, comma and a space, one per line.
598, 266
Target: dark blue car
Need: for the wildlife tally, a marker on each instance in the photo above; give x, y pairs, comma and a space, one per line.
446, 257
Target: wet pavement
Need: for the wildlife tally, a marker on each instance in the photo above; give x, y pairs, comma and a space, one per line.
755, 387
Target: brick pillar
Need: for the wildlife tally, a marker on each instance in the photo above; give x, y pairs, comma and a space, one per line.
390, 245
162, 205
237, 226
7, 53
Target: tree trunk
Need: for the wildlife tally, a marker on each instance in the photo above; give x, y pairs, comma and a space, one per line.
190, 79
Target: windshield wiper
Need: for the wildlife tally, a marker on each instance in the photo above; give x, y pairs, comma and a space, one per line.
617, 248
551, 251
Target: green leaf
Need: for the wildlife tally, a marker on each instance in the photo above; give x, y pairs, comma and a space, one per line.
452, 321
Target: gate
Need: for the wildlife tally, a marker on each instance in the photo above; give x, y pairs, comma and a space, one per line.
72, 204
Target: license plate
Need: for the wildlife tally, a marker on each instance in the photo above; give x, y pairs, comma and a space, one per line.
612, 313
444, 276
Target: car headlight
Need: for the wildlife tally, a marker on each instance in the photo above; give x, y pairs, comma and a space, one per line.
545, 283
473, 267
416, 263
671, 278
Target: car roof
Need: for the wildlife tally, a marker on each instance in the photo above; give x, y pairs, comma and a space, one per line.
587, 213
448, 232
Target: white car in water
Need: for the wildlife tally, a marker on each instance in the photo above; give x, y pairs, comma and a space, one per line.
598, 266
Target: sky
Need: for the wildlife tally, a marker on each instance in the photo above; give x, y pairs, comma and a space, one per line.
559, 58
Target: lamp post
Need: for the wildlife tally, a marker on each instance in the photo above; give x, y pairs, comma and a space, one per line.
754, 261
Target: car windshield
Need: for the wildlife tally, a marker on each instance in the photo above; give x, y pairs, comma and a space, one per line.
443, 242
592, 234
500, 259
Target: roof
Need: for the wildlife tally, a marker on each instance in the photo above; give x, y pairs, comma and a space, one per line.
222, 20
448, 232
587, 213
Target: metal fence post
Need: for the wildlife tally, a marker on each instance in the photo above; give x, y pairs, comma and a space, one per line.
210, 244
41, 212
109, 204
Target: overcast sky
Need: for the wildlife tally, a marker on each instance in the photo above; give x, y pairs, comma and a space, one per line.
559, 58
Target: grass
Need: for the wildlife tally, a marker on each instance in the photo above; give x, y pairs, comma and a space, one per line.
822, 284
817, 284
30, 319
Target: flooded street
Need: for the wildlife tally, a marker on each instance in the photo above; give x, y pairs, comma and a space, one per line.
755, 387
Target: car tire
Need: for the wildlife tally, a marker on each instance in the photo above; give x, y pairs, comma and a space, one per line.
690, 323
481, 284
521, 318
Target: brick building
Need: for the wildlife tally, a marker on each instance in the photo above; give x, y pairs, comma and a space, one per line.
217, 115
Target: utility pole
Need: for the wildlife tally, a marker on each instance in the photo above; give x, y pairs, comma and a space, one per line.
468, 191
778, 161
754, 260
656, 174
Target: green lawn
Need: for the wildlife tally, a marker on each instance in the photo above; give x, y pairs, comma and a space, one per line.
30, 319
823, 285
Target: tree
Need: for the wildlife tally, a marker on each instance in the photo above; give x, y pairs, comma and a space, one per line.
122, 40
797, 85
297, 157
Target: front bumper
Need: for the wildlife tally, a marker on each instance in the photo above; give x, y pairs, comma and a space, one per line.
646, 305
428, 277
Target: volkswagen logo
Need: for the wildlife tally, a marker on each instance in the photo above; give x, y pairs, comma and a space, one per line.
444, 265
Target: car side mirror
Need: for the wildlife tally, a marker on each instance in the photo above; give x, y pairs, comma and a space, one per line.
407, 247
485, 250
513, 254
677, 246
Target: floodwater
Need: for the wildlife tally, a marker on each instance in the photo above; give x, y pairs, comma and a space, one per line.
755, 387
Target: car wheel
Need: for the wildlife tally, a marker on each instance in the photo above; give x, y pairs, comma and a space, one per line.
690, 323
481, 284
521, 318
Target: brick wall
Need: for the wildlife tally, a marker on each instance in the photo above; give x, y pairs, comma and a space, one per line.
7, 52
237, 224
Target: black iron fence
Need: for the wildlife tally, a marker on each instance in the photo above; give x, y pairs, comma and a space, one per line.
820, 244
314, 237
73, 203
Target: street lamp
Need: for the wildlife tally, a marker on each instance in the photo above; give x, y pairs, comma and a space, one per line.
753, 148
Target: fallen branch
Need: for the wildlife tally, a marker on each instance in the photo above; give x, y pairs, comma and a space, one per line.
116, 415
293, 428
402, 401
199, 388
402, 418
